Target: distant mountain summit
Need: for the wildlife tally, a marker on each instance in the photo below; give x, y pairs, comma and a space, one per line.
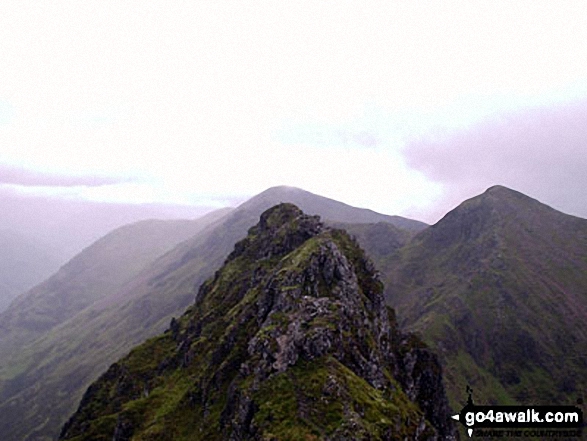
498, 207
328, 209
290, 339
499, 288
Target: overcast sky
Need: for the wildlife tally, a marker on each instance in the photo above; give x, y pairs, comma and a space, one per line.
401, 107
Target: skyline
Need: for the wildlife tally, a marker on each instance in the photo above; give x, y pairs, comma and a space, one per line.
406, 109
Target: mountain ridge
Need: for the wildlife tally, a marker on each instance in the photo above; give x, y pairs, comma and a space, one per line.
498, 287
47, 369
102, 267
295, 304
488, 247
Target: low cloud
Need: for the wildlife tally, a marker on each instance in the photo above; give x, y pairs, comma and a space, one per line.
542, 153
68, 224
32, 178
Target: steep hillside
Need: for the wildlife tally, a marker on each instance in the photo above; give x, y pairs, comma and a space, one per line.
289, 340
93, 274
379, 240
43, 381
31, 328
24, 262
499, 288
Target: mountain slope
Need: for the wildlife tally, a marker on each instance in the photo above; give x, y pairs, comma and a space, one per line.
68, 225
379, 240
24, 262
499, 288
289, 340
43, 381
94, 273
35, 332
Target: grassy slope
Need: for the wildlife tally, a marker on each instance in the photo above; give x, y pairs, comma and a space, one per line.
499, 288
159, 398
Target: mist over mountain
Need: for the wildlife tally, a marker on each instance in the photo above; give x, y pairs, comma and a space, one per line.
499, 288
289, 340
24, 262
43, 390
68, 226
100, 269
124, 125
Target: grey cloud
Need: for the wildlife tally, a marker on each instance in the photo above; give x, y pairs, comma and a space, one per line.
542, 152
26, 177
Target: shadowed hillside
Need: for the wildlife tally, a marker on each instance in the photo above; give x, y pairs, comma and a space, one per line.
499, 288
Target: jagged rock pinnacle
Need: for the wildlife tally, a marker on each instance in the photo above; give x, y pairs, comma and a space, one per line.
290, 339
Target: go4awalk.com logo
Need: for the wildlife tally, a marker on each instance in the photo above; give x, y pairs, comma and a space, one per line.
508, 421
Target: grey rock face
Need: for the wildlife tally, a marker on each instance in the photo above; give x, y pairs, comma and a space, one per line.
323, 309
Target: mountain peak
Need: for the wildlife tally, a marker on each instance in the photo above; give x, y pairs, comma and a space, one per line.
280, 230
328, 209
279, 192
497, 212
279, 215
283, 189
498, 189
499, 281
502, 193
290, 339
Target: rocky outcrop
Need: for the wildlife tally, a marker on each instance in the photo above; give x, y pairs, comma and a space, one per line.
291, 339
